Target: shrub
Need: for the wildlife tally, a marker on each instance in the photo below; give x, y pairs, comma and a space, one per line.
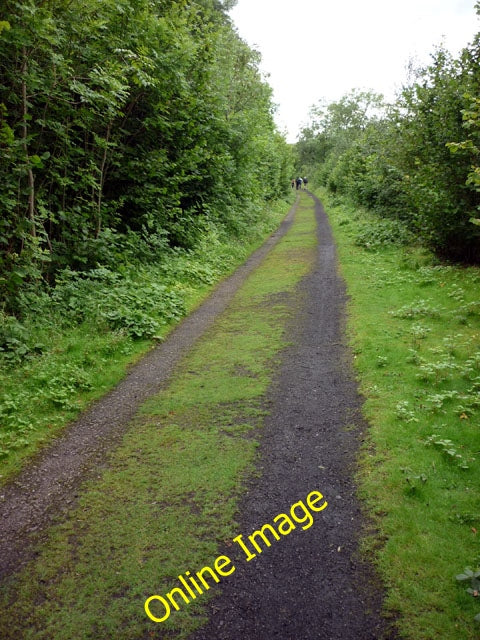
381, 232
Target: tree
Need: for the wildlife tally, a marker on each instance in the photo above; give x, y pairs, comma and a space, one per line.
120, 117
411, 160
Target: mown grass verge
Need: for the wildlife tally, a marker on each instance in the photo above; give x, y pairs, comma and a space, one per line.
415, 329
167, 501
75, 341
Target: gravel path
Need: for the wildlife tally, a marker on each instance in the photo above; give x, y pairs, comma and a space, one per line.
310, 584
48, 487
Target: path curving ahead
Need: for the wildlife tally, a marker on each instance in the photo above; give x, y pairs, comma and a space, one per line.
48, 486
312, 584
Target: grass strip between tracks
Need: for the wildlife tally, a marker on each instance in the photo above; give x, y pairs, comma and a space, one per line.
166, 503
414, 325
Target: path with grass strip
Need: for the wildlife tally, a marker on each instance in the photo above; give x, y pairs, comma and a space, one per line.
313, 584
257, 424
50, 484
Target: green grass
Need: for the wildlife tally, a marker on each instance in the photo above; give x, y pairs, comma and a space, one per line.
167, 501
414, 326
77, 343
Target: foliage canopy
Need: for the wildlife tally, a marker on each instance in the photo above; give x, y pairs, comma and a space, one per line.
126, 123
415, 160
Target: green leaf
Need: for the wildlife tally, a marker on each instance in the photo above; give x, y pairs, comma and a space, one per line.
36, 161
462, 577
467, 575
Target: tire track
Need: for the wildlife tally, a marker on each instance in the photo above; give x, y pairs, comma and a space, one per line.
47, 488
311, 584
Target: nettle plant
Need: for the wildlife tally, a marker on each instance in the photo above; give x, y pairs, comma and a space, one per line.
473, 579
436, 401
448, 449
419, 309
419, 332
413, 480
436, 372
471, 367
404, 413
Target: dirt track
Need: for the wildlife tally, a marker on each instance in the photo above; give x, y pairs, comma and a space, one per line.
48, 487
311, 584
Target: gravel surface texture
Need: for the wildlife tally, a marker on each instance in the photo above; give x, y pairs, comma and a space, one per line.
48, 487
309, 584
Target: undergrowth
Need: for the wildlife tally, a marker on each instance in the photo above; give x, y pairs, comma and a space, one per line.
414, 325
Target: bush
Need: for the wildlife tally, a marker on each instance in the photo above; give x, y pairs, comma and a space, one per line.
382, 232
16, 342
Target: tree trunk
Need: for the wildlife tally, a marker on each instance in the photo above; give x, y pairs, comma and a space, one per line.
102, 181
31, 179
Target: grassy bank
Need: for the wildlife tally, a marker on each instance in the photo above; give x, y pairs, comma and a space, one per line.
74, 342
415, 329
167, 502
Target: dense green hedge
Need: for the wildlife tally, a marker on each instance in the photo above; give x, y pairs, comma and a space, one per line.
126, 125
